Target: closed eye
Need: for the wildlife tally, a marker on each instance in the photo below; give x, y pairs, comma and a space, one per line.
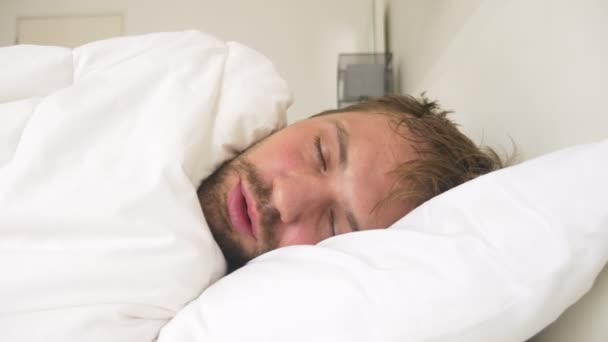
320, 156
323, 164
332, 223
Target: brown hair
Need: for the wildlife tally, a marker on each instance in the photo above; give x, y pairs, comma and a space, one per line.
447, 157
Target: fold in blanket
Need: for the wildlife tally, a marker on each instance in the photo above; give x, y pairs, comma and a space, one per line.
101, 151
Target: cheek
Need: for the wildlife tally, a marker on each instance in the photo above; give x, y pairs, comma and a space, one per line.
299, 236
277, 158
362, 191
366, 189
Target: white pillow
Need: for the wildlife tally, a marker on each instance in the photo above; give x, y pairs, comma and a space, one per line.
495, 259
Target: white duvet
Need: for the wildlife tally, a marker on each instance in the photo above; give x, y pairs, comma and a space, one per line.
101, 150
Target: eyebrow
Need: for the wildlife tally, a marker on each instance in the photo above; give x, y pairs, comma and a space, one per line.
342, 137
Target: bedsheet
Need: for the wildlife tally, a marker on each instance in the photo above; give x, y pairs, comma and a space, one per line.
102, 148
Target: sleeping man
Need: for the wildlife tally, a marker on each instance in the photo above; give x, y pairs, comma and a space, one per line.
104, 149
357, 168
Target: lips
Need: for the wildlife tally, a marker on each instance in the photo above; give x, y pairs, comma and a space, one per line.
239, 211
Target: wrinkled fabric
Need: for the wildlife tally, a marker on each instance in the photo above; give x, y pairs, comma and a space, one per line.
102, 148
495, 259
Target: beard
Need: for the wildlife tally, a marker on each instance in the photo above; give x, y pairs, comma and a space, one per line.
213, 194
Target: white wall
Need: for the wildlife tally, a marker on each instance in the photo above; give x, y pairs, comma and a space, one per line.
419, 32
303, 38
532, 70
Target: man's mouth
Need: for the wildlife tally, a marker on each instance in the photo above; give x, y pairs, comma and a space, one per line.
240, 208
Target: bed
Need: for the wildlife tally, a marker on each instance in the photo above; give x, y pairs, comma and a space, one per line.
497, 259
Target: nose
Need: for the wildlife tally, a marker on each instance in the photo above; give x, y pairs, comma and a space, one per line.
299, 195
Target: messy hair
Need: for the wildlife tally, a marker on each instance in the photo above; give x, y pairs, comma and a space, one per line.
446, 157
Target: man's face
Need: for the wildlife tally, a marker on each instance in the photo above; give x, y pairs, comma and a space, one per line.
317, 178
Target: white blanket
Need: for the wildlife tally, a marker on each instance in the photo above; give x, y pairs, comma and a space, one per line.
101, 150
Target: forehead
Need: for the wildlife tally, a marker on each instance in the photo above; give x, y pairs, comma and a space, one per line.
376, 132
376, 149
